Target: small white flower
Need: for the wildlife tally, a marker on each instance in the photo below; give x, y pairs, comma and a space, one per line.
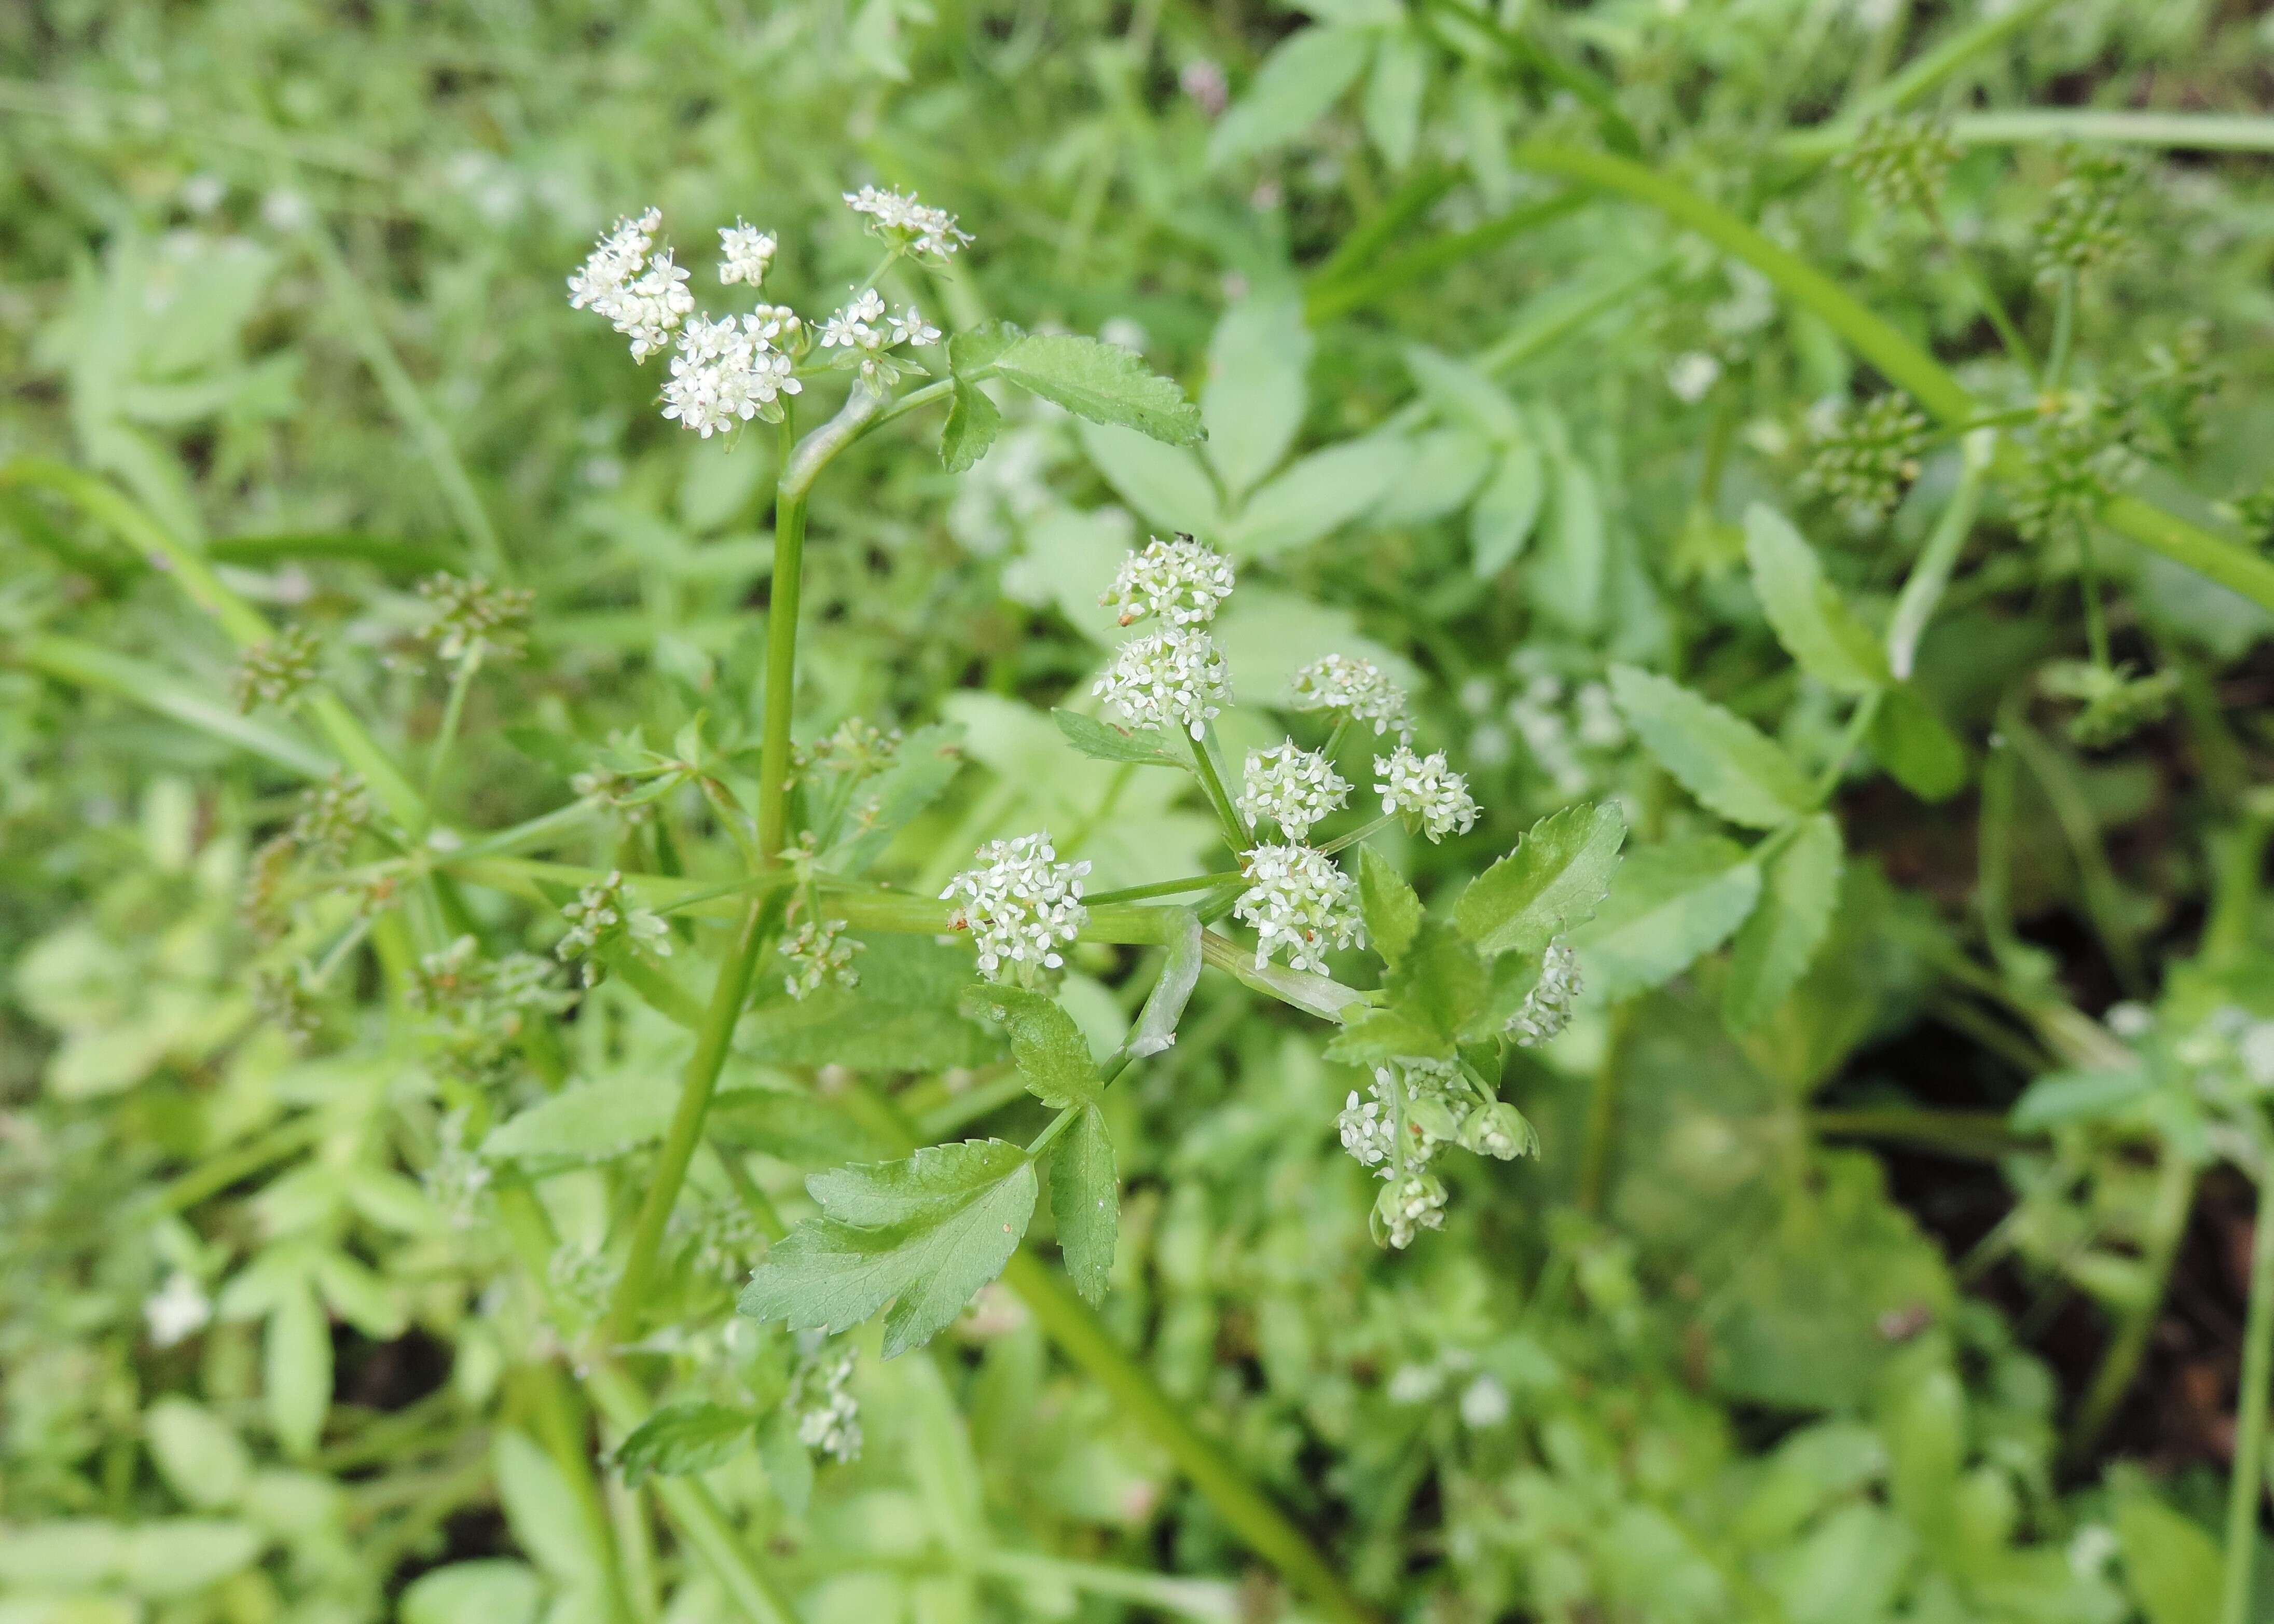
744, 254
1366, 1130
909, 328
819, 953
176, 1311
654, 306
1356, 687
899, 216
1690, 376
830, 1424
1293, 787
1019, 903
601, 916
2129, 1020
1484, 1404
1179, 580
854, 326
1423, 789
1172, 679
1546, 1008
1407, 1207
1297, 899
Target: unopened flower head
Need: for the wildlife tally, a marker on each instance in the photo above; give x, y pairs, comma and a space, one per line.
2118, 701
830, 1423
819, 953
466, 613
1499, 1130
1293, 787
1179, 580
1546, 1009
1866, 456
331, 816
273, 672
1900, 160
1428, 794
1173, 679
744, 254
601, 917
1019, 903
1406, 1208
1297, 899
899, 218
1356, 688
2082, 226
2081, 454
727, 372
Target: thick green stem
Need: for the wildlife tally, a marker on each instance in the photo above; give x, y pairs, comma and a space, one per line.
1261, 1525
1899, 360
2244, 1489
2167, 1224
560, 1422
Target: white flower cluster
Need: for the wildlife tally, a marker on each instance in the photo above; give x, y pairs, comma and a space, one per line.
1019, 903
1296, 898
1170, 678
744, 254
819, 953
899, 218
864, 333
830, 1425
177, 1312
1179, 580
1546, 1008
1407, 1207
1291, 786
1357, 688
729, 371
645, 298
1425, 792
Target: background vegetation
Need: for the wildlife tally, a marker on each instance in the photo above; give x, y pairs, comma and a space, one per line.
1919, 1282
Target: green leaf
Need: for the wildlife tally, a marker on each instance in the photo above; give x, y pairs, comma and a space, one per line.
1565, 577
1046, 1044
923, 1235
1298, 82
680, 1439
1252, 402
1180, 973
1392, 108
541, 1510
972, 424
1166, 484
2170, 1566
2088, 1096
197, 1453
1085, 1201
979, 347
359, 1297
788, 1463
1671, 903
1726, 762
1318, 494
1553, 881
796, 1126
1102, 382
1444, 468
1916, 746
880, 806
295, 1368
1462, 393
1502, 519
1103, 741
1805, 609
1798, 894
586, 1121
1435, 991
1392, 912
490, 1591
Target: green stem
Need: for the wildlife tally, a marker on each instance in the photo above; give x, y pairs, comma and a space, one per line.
1603, 1115
1899, 360
1859, 723
2064, 332
699, 1083
1324, 303
1929, 577
454, 710
2080, 827
1356, 835
1922, 75
1236, 831
216, 1174
2167, 1223
2244, 1489
2096, 618
1985, 295
560, 1422
1978, 1136
1259, 1525
1167, 888
2183, 131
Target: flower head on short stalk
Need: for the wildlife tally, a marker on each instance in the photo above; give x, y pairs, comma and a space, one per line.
1407, 1205
727, 372
816, 954
1019, 903
331, 815
1293, 787
864, 333
1172, 680
644, 297
1864, 457
2080, 453
1181, 580
2082, 226
1426, 793
1297, 900
275, 672
2118, 701
908, 225
466, 613
1353, 688
829, 1417
744, 254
